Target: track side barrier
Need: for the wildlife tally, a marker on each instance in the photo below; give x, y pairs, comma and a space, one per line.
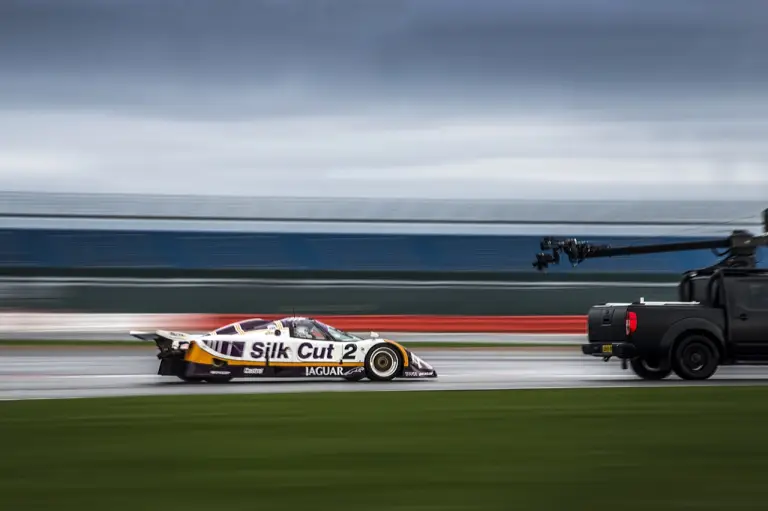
27, 322
441, 324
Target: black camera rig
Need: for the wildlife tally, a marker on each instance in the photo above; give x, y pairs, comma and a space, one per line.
740, 249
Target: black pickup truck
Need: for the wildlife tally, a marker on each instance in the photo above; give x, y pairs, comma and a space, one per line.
721, 319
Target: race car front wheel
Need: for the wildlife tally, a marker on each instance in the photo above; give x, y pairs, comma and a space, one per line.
382, 363
204, 379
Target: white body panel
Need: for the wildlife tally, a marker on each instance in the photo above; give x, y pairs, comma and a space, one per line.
256, 347
260, 347
273, 342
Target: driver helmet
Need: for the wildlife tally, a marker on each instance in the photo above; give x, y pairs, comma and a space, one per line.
302, 331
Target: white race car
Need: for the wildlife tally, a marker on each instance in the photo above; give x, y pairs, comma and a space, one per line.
288, 348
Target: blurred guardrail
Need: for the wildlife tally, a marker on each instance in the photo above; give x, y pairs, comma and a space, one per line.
197, 207
126, 252
459, 329
331, 297
132, 232
75, 209
181, 254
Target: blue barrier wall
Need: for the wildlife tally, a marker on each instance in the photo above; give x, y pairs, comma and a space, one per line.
307, 251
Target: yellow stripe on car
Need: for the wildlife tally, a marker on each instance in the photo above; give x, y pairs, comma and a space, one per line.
196, 355
402, 350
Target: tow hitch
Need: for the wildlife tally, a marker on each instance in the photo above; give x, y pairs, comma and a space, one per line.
624, 363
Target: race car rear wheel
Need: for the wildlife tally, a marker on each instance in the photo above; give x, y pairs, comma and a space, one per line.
206, 379
218, 379
190, 379
382, 363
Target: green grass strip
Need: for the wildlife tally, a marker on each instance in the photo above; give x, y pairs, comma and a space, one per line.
611, 449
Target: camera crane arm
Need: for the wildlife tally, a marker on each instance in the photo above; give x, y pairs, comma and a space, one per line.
741, 249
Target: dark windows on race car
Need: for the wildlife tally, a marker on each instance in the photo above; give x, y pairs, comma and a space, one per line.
309, 332
339, 335
254, 324
315, 330
300, 328
242, 327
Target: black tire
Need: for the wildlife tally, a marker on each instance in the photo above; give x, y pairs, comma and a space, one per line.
648, 370
191, 379
383, 363
218, 379
695, 357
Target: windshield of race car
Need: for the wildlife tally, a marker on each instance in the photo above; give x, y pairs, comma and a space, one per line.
338, 334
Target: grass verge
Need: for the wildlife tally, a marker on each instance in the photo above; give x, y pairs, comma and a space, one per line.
596, 449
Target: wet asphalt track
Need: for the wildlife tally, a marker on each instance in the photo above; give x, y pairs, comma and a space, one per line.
97, 372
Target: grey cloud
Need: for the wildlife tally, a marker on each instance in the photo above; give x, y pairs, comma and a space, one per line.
146, 52
545, 98
373, 156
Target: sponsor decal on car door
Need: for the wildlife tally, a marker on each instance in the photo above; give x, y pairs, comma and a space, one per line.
274, 351
314, 352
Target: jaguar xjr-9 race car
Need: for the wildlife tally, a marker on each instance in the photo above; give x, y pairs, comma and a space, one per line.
293, 347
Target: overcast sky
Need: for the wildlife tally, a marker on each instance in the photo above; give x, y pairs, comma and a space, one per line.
437, 98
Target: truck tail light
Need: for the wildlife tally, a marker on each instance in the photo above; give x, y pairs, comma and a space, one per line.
631, 322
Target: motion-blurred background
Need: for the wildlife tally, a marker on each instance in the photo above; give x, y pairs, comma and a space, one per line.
369, 157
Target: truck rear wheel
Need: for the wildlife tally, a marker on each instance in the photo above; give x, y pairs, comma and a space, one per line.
695, 358
649, 371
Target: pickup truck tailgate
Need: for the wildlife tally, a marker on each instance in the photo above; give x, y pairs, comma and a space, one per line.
607, 323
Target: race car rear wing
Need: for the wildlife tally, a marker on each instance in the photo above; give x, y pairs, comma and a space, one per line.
157, 335
170, 344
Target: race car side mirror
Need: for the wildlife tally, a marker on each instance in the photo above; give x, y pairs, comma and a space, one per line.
374, 335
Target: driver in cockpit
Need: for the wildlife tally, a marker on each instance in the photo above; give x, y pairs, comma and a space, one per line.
302, 332
305, 331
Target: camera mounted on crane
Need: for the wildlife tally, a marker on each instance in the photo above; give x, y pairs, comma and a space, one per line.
740, 249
